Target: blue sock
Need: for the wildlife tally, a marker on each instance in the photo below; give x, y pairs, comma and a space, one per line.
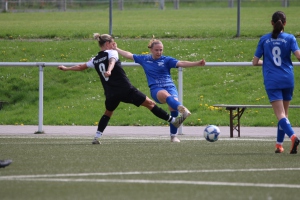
285, 124
172, 102
173, 129
280, 134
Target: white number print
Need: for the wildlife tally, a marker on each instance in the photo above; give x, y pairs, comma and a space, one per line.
102, 70
276, 56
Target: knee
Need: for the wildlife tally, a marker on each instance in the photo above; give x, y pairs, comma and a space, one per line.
108, 113
149, 103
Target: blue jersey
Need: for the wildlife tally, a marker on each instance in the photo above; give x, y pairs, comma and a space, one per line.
157, 71
277, 64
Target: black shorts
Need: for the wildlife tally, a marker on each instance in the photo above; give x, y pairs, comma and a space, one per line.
132, 96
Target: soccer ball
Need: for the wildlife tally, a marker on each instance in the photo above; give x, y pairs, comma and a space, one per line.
211, 133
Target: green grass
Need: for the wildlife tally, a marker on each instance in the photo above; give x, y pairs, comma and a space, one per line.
77, 97
185, 23
63, 168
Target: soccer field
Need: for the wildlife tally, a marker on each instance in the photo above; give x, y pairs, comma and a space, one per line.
145, 165
134, 167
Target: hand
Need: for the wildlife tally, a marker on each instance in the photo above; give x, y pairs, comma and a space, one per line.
107, 73
62, 67
202, 62
114, 46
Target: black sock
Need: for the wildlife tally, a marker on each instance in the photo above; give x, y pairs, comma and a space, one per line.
158, 112
103, 123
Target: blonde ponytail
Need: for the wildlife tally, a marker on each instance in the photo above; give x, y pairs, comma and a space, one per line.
97, 36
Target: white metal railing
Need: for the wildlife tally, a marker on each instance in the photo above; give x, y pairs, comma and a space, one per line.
41, 66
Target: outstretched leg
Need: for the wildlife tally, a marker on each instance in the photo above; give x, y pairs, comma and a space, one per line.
162, 114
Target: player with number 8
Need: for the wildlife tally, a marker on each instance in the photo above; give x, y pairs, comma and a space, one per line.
276, 48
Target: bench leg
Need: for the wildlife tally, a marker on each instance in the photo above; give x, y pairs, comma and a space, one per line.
231, 118
237, 116
231, 121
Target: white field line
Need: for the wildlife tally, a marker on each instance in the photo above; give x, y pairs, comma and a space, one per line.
180, 182
19, 177
55, 178
136, 138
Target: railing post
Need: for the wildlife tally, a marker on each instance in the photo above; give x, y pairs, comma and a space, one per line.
238, 18
121, 4
6, 6
176, 4
180, 93
162, 4
230, 3
110, 16
285, 3
41, 97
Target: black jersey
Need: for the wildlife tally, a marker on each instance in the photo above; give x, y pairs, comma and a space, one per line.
118, 81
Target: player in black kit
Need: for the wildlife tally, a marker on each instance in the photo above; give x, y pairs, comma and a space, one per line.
117, 87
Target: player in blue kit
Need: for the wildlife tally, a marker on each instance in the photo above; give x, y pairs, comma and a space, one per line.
116, 85
276, 48
157, 69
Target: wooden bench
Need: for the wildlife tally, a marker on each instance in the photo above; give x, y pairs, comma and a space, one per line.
240, 110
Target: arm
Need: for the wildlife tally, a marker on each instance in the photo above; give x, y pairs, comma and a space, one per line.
190, 64
73, 68
256, 61
297, 54
125, 54
111, 66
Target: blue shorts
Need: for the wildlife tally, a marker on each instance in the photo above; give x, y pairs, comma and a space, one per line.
280, 94
172, 90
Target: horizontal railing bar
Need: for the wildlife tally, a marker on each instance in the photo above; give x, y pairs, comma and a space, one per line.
127, 64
